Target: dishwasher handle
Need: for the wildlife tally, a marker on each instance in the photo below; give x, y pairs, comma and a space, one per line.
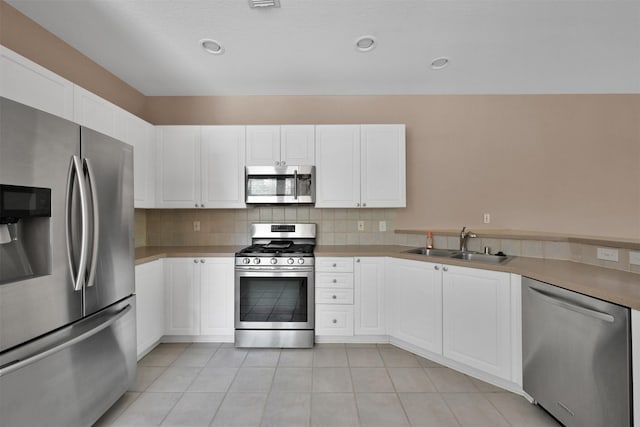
606, 317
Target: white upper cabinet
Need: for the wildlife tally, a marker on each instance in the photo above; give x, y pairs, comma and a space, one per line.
337, 166
200, 166
280, 145
360, 166
222, 166
382, 166
96, 113
297, 145
477, 319
178, 167
28, 83
140, 135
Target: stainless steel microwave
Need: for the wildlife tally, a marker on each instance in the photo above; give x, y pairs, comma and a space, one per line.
286, 185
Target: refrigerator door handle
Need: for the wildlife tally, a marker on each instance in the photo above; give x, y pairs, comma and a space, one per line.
6, 370
75, 170
96, 222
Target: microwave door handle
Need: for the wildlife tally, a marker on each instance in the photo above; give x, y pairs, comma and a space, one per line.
75, 170
96, 222
295, 184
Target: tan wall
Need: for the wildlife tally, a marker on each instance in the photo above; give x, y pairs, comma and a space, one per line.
24, 36
558, 163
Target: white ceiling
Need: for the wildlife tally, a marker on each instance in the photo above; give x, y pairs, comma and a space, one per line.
306, 47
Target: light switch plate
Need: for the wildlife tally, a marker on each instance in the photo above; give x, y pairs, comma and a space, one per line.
634, 258
608, 254
360, 225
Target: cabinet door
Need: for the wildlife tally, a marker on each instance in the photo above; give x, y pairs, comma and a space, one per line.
415, 289
182, 296
178, 173
338, 166
96, 113
297, 145
263, 145
28, 83
217, 297
222, 163
149, 305
140, 135
382, 154
369, 307
476, 318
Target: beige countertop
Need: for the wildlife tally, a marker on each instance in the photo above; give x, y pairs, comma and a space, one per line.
616, 286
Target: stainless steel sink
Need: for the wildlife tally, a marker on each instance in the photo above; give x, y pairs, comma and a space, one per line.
472, 256
445, 253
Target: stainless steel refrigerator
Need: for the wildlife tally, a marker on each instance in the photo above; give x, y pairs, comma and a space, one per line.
67, 303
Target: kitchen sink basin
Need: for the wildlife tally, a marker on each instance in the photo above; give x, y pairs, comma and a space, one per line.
490, 259
446, 253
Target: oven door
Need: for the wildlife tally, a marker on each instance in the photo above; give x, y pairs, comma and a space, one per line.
274, 299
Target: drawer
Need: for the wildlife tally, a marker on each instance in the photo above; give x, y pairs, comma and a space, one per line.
334, 280
334, 264
334, 319
334, 296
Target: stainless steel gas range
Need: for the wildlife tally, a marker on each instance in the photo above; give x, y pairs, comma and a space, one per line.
274, 287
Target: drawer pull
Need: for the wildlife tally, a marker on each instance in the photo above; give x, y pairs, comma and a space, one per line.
435, 267
335, 265
195, 261
335, 280
335, 321
334, 297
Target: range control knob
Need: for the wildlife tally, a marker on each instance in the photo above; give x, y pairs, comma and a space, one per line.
245, 261
300, 260
256, 260
290, 261
274, 261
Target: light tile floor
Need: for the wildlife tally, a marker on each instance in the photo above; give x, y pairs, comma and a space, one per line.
330, 385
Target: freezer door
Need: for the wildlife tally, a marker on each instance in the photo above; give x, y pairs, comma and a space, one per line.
35, 150
72, 376
109, 166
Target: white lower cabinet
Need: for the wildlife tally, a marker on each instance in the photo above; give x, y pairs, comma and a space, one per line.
217, 297
477, 319
199, 296
149, 305
334, 296
415, 292
369, 296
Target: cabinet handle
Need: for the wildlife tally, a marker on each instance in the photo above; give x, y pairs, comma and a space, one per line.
435, 267
358, 260
364, 205
335, 265
283, 163
335, 321
195, 261
358, 204
202, 261
335, 280
202, 205
445, 269
334, 297
196, 205
277, 163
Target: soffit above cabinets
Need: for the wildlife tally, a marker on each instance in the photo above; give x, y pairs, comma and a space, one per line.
308, 47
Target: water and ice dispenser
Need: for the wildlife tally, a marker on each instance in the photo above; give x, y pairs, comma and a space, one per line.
25, 233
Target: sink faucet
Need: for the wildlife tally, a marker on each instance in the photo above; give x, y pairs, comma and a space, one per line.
464, 237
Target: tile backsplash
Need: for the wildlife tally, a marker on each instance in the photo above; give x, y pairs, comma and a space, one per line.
168, 227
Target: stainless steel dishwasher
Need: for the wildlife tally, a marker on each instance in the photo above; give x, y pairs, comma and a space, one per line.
576, 356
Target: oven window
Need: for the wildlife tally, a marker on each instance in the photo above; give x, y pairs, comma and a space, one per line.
273, 299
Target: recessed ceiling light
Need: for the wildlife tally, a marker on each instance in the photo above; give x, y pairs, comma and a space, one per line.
264, 3
211, 46
365, 43
440, 63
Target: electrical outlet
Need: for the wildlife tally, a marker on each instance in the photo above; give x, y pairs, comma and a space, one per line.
196, 225
634, 258
608, 254
382, 225
486, 218
360, 225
